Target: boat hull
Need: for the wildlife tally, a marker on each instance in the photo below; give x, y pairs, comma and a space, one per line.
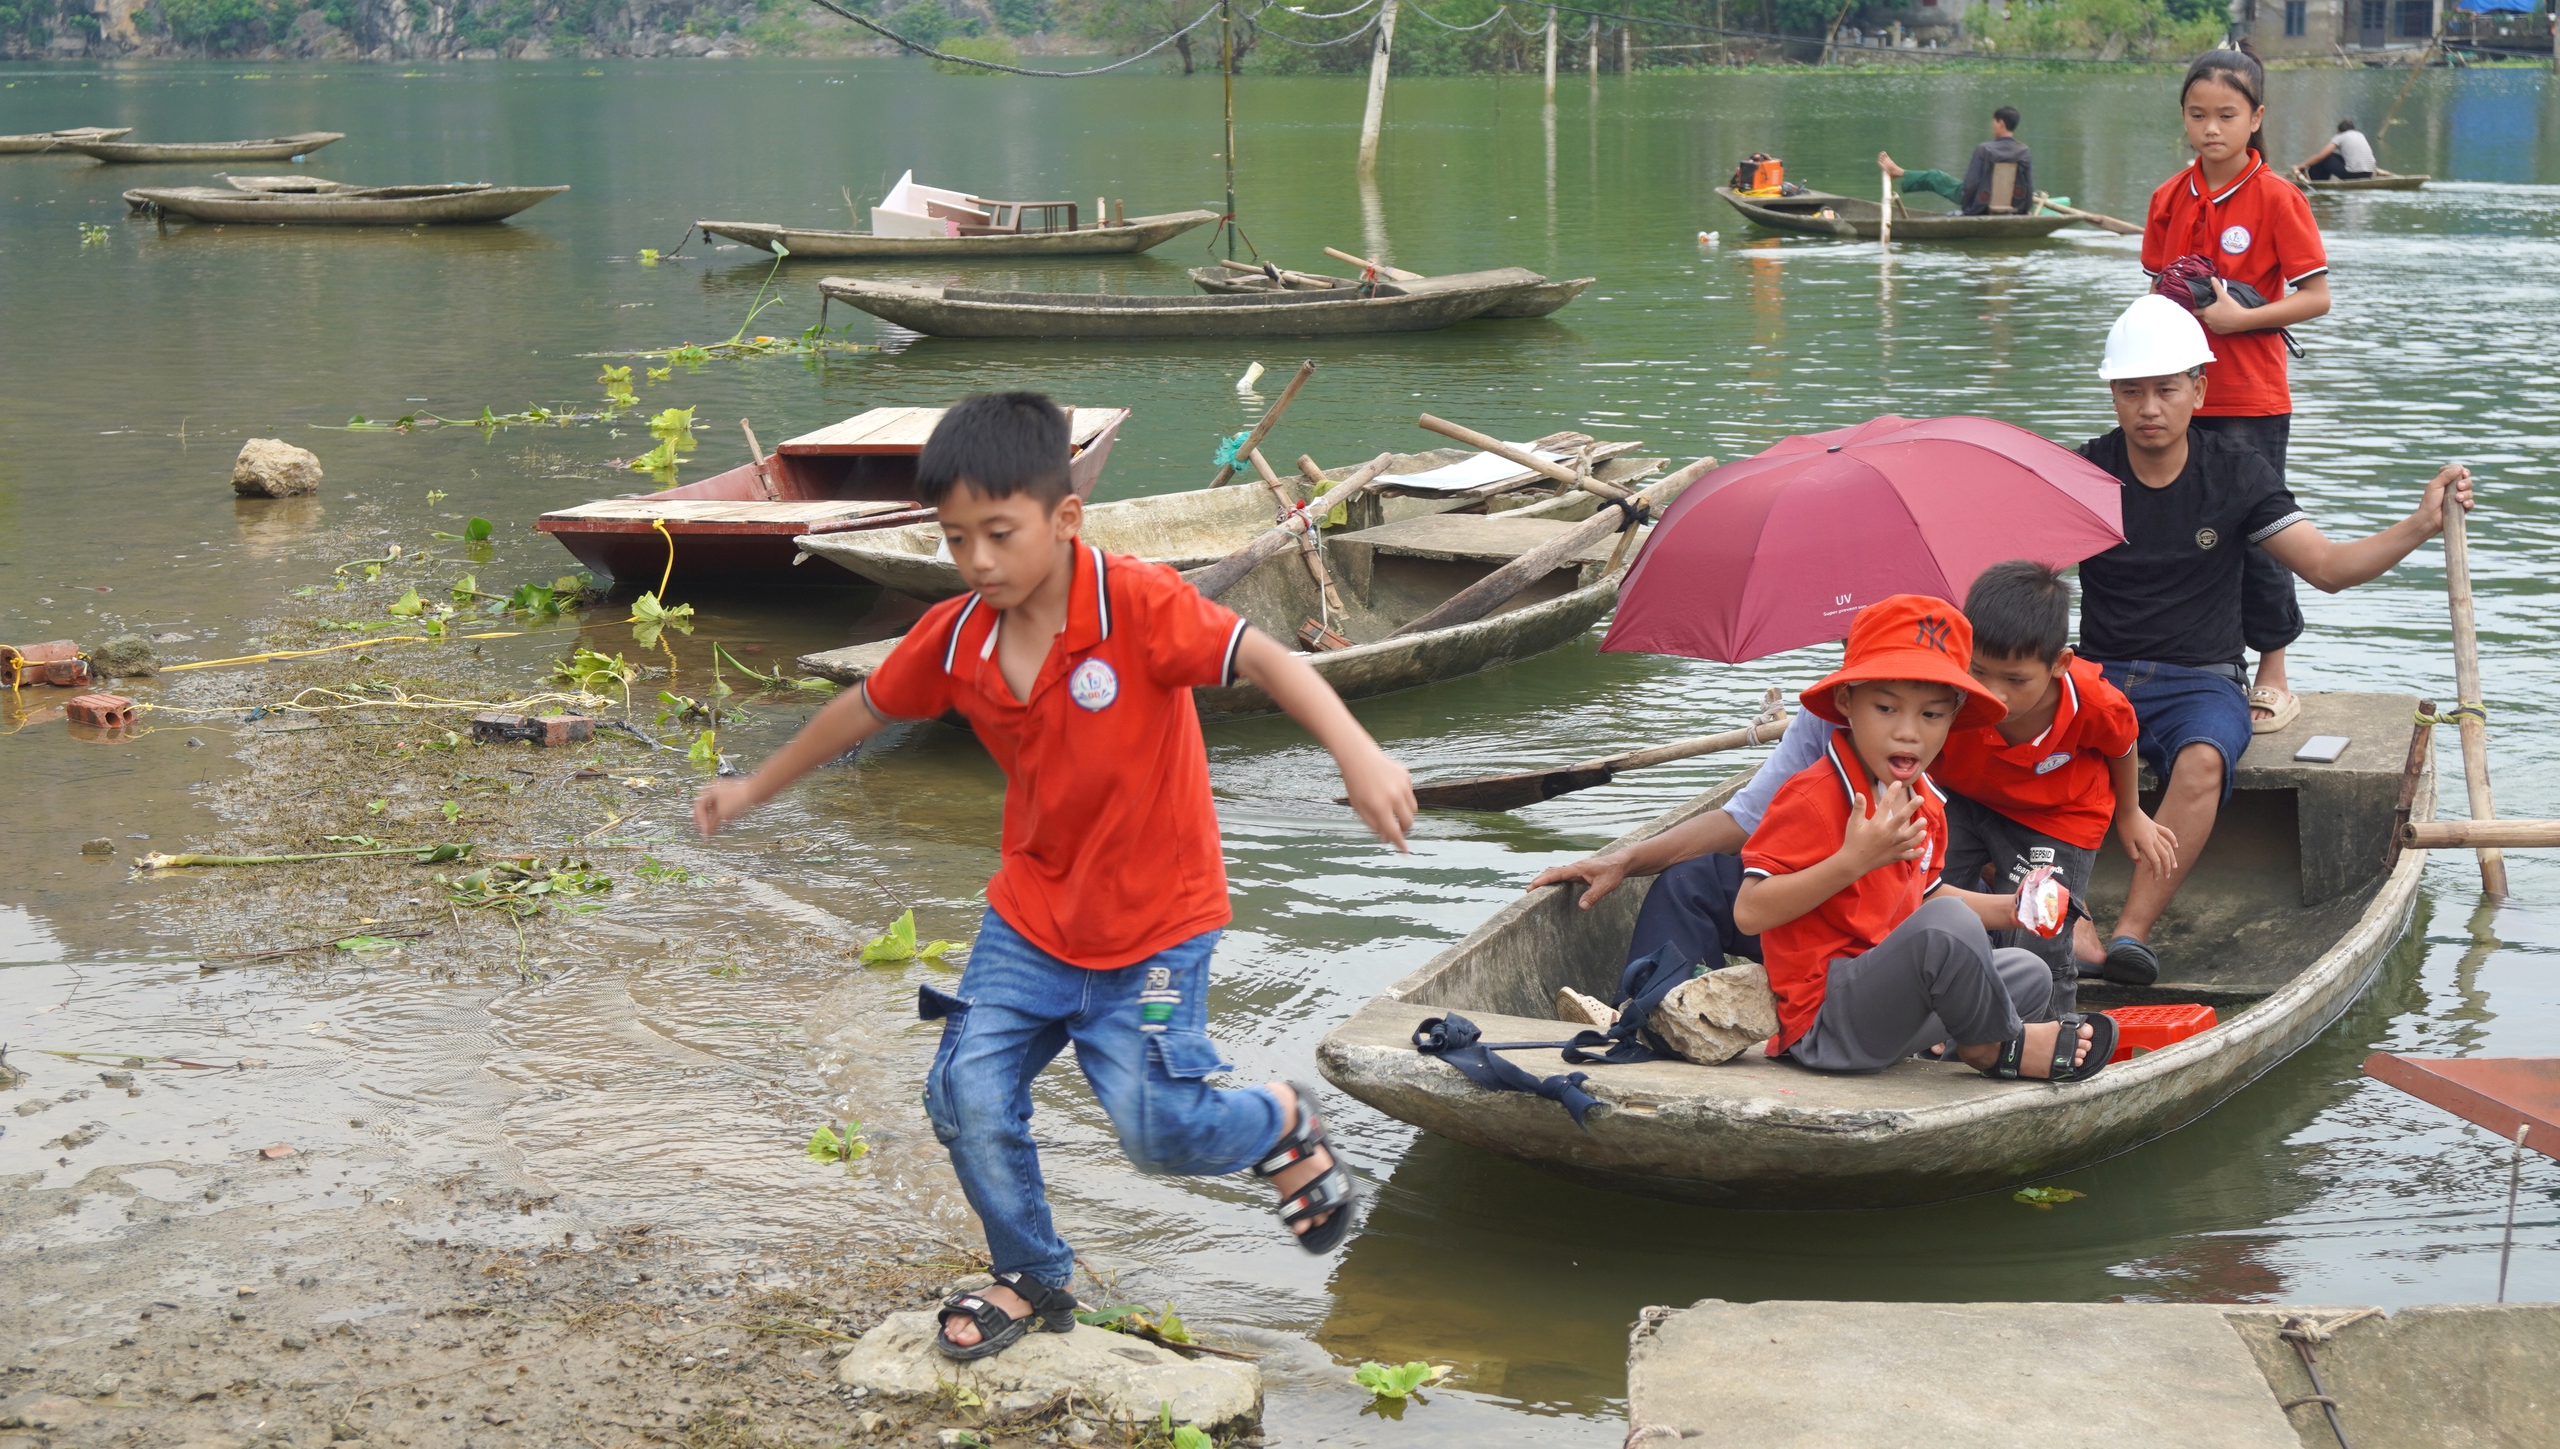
1764, 1134
1858, 219
277, 148
1138, 234
1542, 301
952, 312
2367, 183
248, 208
57, 140
1181, 530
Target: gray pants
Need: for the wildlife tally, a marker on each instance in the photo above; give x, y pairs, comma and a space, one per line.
1978, 835
1936, 977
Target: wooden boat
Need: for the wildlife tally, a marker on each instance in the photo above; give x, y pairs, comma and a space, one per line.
2293, 907
339, 203
1541, 301
272, 148
1858, 217
1397, 307
55, 140
737, 529
1388, 575
2378, 181
1135, 234
1194, 529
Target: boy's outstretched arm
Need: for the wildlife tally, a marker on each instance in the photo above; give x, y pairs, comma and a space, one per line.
846, 722
1381, 791
2146, 841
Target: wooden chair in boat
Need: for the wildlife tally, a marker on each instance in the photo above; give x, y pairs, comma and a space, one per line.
1012, 218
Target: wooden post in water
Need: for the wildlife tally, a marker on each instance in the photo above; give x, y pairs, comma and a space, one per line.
2467, 706
1594, 40
1227, 76
1371, 119
1884, 211
1551, 55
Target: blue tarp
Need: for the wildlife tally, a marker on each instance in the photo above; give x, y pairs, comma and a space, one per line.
2486, 7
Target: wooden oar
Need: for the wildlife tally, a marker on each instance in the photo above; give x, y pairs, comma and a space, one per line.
1528, 787
1392, 274
1495, 589
2103, 223
1254, 439
1526, 459
1221, 576
1315, 280
2468, 709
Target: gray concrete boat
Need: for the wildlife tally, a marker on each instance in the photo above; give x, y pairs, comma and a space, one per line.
341, 206
1542, 301
338, 204
271, 148
1422, 306
57, 140
1820, 213
1136, 234
2285, 921
1389, 575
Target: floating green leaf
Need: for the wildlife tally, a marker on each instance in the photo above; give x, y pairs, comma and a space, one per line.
466, 588
827, 1145
594, 672
1397, 1381
376, 807
648, 255
409, 605
617, 387
899, 945
2045, 1199
523, 885
705, 749
435, 495
651, 870
452, 811
363, 945
649, 618
478, 531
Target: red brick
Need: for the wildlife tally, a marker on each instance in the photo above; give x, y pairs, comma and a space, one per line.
106, 711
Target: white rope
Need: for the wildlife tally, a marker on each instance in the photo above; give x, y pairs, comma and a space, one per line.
926, 50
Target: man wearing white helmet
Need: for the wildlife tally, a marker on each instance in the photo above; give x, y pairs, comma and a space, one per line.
2160, 612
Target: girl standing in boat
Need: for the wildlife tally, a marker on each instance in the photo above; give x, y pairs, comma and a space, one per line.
2232, 239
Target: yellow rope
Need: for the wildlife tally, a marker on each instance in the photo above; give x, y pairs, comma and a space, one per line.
2454, 716
274, 654
660, 525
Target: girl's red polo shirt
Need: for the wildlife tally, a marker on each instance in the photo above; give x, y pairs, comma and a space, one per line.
1806, 822
2256, 230
1111, 848
2058, 783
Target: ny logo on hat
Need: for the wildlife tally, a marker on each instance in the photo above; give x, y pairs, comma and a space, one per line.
1932, 633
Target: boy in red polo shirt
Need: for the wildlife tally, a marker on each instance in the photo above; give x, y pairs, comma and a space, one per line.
1872, 956
2041, 787
1076, 670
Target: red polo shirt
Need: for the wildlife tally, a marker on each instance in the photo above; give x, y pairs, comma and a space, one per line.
2056, 784
1111, 849
1806, 822
2257, 230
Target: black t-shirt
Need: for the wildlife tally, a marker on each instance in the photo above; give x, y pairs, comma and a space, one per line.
2171, 591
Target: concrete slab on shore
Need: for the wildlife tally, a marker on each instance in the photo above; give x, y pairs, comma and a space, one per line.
2032, 1375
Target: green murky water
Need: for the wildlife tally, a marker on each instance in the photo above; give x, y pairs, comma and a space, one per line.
134, 366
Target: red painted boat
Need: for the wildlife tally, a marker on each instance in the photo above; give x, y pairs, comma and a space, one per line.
735, 530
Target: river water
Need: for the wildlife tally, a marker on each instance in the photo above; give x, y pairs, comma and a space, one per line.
675, 1085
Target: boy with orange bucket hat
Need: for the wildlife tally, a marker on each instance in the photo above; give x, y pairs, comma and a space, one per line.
1871, 956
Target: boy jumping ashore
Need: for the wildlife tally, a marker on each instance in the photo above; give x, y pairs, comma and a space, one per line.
1076, 670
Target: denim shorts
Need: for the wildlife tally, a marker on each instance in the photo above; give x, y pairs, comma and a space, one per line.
2177, 707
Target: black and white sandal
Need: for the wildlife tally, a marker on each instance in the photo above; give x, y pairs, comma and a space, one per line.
1053, 1310
1334, 1190
2102, 1045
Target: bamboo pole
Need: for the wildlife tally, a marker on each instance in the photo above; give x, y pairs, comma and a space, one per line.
1551, 55
1221, 576
1392, 274
1884, 212
1262, 429
2467, 706
1521, 456
2481, 835
1310, 542
2422, 739
1375, 115
1227, 69
1495, 589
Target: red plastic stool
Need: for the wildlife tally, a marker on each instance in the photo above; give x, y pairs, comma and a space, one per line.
2149, 1028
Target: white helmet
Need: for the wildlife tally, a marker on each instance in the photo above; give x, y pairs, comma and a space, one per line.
2154, 338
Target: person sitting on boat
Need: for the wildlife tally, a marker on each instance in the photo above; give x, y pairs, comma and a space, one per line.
2041, 787
2347, 157
1076, 670
1873, 956
1973, 194
2161, 612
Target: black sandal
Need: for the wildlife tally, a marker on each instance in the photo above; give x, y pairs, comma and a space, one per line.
2102, 1045
1333, 1191
1052, 1309
2129, 962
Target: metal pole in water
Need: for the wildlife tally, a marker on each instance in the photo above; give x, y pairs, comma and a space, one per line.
1227, 68
1376, 114
2515, 1174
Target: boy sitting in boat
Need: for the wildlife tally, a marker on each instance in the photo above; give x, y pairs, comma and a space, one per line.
1872, 956
1076, 670
2041, 787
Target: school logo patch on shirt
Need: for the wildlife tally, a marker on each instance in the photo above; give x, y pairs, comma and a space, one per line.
2205, 538
2235, 239
1093, 685
2051, 763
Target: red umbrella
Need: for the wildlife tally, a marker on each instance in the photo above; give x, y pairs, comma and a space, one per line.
1783, 549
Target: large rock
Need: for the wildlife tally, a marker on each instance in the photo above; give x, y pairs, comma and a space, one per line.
126, 656
1716, 1017
1124, 1378
274, 468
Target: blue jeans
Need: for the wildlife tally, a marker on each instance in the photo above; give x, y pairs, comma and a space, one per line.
2177, 707
1142, 1036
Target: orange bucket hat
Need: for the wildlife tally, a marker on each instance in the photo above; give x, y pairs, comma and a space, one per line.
1911, 636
